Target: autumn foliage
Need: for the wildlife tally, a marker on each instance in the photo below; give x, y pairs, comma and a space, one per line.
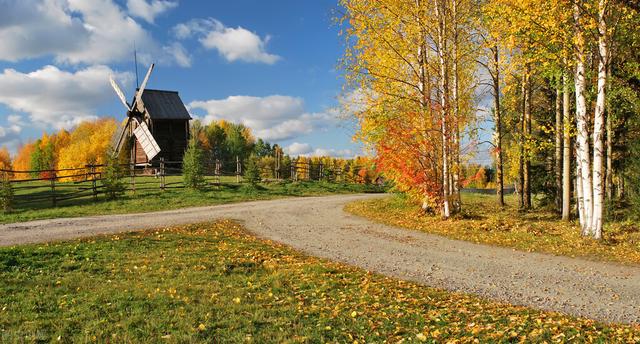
86, 144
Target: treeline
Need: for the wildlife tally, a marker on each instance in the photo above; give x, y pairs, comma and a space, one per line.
84, 145
563, 78
221, 143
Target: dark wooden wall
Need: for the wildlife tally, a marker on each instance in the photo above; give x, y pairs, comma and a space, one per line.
172, 137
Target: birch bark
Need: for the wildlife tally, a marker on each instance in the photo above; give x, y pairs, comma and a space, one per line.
598, 124
440, 15
582, 147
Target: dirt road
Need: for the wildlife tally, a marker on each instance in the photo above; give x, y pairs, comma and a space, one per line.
318, 226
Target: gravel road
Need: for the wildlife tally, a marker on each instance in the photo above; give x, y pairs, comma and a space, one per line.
318, 226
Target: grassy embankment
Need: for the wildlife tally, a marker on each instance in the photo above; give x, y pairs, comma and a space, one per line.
483, 221
214, 283
149, 197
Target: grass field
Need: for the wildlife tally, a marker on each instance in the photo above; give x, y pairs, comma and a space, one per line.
483, 221
214, 283
149, 197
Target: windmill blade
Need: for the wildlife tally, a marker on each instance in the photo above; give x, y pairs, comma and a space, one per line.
146, 140
119, 92
144, 84
119, 138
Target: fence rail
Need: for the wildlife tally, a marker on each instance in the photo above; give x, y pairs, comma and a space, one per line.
61, 185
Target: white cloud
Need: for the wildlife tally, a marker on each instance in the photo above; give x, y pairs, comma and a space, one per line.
298, 149
10, 134
272, 118
149, 10
305, 149
234, 44
56, 98
72, 31
179, 54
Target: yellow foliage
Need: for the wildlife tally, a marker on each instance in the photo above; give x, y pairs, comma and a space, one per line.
88, 144
22, 161
5, 159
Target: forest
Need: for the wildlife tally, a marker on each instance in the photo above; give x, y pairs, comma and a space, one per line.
557, 81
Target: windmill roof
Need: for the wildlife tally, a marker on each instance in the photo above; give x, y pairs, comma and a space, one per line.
164, 105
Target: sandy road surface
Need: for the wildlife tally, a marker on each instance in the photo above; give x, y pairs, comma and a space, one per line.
319, 226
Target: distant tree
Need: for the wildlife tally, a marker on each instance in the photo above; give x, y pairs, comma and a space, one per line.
112, 177
5, 159
252, 170
22, 160
87, 144
193, 169
266, 165
263, 148
6, 193
217, 138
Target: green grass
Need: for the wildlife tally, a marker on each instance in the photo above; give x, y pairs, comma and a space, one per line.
215, 283
483, 221
149, 197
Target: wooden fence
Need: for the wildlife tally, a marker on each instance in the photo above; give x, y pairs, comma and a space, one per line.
52, 187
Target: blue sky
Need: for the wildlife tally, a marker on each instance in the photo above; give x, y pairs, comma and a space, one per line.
268, 64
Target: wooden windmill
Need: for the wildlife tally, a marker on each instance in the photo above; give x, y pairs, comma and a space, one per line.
158, 120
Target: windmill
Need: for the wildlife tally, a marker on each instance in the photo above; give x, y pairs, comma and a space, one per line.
135, 113
159, 121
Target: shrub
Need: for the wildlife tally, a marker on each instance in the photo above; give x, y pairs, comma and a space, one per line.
114, 186
192, 166
6, 194
252, 171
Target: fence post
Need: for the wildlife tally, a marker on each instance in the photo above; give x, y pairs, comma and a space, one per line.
93, 182
238, 169
53, 189
217, 172
162, 173
132, 173
320, 172
276, 173
293, 170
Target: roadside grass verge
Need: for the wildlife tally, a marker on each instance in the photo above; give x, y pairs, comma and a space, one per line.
151, 198
482, 221
215, 283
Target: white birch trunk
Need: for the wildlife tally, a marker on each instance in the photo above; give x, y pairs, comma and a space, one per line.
598, 124
582, 147
580, 199
443, 108
456, 111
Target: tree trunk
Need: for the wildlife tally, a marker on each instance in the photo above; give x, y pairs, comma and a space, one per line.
566, 147
521, 143
440, 15
527, 127
579, 198
609, 175
457, 204
582, 147
598, 125
558, 148
498, 121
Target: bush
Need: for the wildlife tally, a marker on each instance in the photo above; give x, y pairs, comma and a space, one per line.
6, 195
192, 166
114, 186
252, 170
